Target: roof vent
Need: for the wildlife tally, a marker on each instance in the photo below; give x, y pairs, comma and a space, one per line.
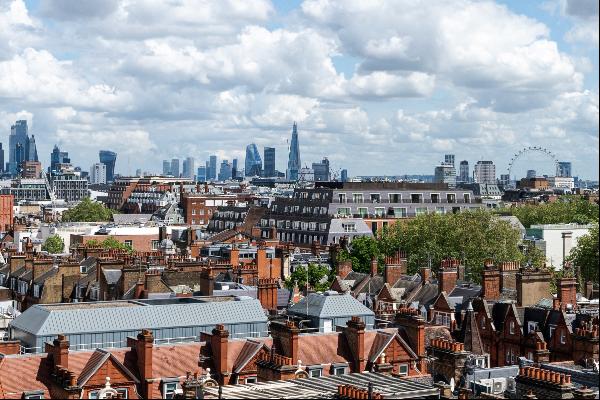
330, 293
243, 298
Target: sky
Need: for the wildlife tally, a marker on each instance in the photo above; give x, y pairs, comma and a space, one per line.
379, 87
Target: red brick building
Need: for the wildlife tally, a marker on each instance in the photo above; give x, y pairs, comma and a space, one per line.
6, 211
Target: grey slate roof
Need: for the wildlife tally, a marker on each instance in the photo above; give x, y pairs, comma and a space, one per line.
131, 218
116, 316
331, 305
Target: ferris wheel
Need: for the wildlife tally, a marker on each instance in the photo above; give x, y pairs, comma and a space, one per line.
532, 149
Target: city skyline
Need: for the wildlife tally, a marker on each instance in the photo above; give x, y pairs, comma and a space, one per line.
360, 97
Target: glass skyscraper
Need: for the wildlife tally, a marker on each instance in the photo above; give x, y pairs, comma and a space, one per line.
563, 169
17, 145
109, 158
253, 161
269, 170
234, 168
294, 156
166, 167
175, 167
463, 172
212, 168
57, 157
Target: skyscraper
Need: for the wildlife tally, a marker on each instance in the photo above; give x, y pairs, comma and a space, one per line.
175, 167
234, 168
344, 175
449, 159
109, 158
188, 168
166, 170
484, 172
269, 162
225, 171
1, 158
18, 137
531, 173
98, 173
58, 157
253, 165
293, 167
445, 173
201, 174
212, 172
463, 174
563, 169
321, 171
31, 150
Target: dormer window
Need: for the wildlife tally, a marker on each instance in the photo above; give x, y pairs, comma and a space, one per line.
169, 387
511, 327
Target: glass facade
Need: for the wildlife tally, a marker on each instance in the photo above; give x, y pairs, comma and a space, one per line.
294, 157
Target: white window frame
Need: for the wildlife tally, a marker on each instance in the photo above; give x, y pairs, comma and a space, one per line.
380, 211
511, 327
336, 371
439, 198
251, 379
366, 209
401, 367
403, 214
315, 372
169, 393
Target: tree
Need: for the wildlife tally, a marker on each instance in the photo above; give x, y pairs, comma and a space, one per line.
585, 255
110, 243
53, 244
319, 277
87, 211
566, 209
362, 250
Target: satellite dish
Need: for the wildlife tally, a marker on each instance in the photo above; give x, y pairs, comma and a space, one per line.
452, 384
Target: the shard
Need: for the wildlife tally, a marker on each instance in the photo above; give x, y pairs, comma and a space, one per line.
294, 158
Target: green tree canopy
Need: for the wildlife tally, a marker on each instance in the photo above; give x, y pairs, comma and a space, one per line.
472, 236
319, 277
566, 209
110, 243
53, 244
87, 211
585, 255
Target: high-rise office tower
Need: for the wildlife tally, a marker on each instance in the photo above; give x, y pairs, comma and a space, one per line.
234, 169
175, 167
58, 157
31, 149
18, 137
98, 173
212, 173
109, 158
449, 159
225, 171
463, 172
166, 169
293, 167
201, 174
445, 173
504, 180
484, 172
344, 175
1, 158
188, 168
321, 171
19, 156
253, 165
563, 169
531, 173
269, 170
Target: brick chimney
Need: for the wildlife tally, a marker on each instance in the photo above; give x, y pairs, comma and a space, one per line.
218, 344
586, 343
414, 325
344, 268
234, 256
143, 350
355, 335
532, 286
373, 266
490, 280
425, 273
315, 248
395, 266
59, 349
285, 338
567, 292
447, 276
267, 293
262, 262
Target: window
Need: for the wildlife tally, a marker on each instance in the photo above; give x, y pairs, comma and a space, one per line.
379, 211
339, 371
342, 197
363, 211
37, 394
421, 211
531, 326
483, 323
467, 197
122, 391
451, 198
440, 210
169, 389
343, 211
563, 338
552, 328
399, 212
154, 244
435, 197
251, 379
403, 369
375, 198
530, 355
395, 198
357, 198
193, 211
315, 373
129, 243
511, 327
